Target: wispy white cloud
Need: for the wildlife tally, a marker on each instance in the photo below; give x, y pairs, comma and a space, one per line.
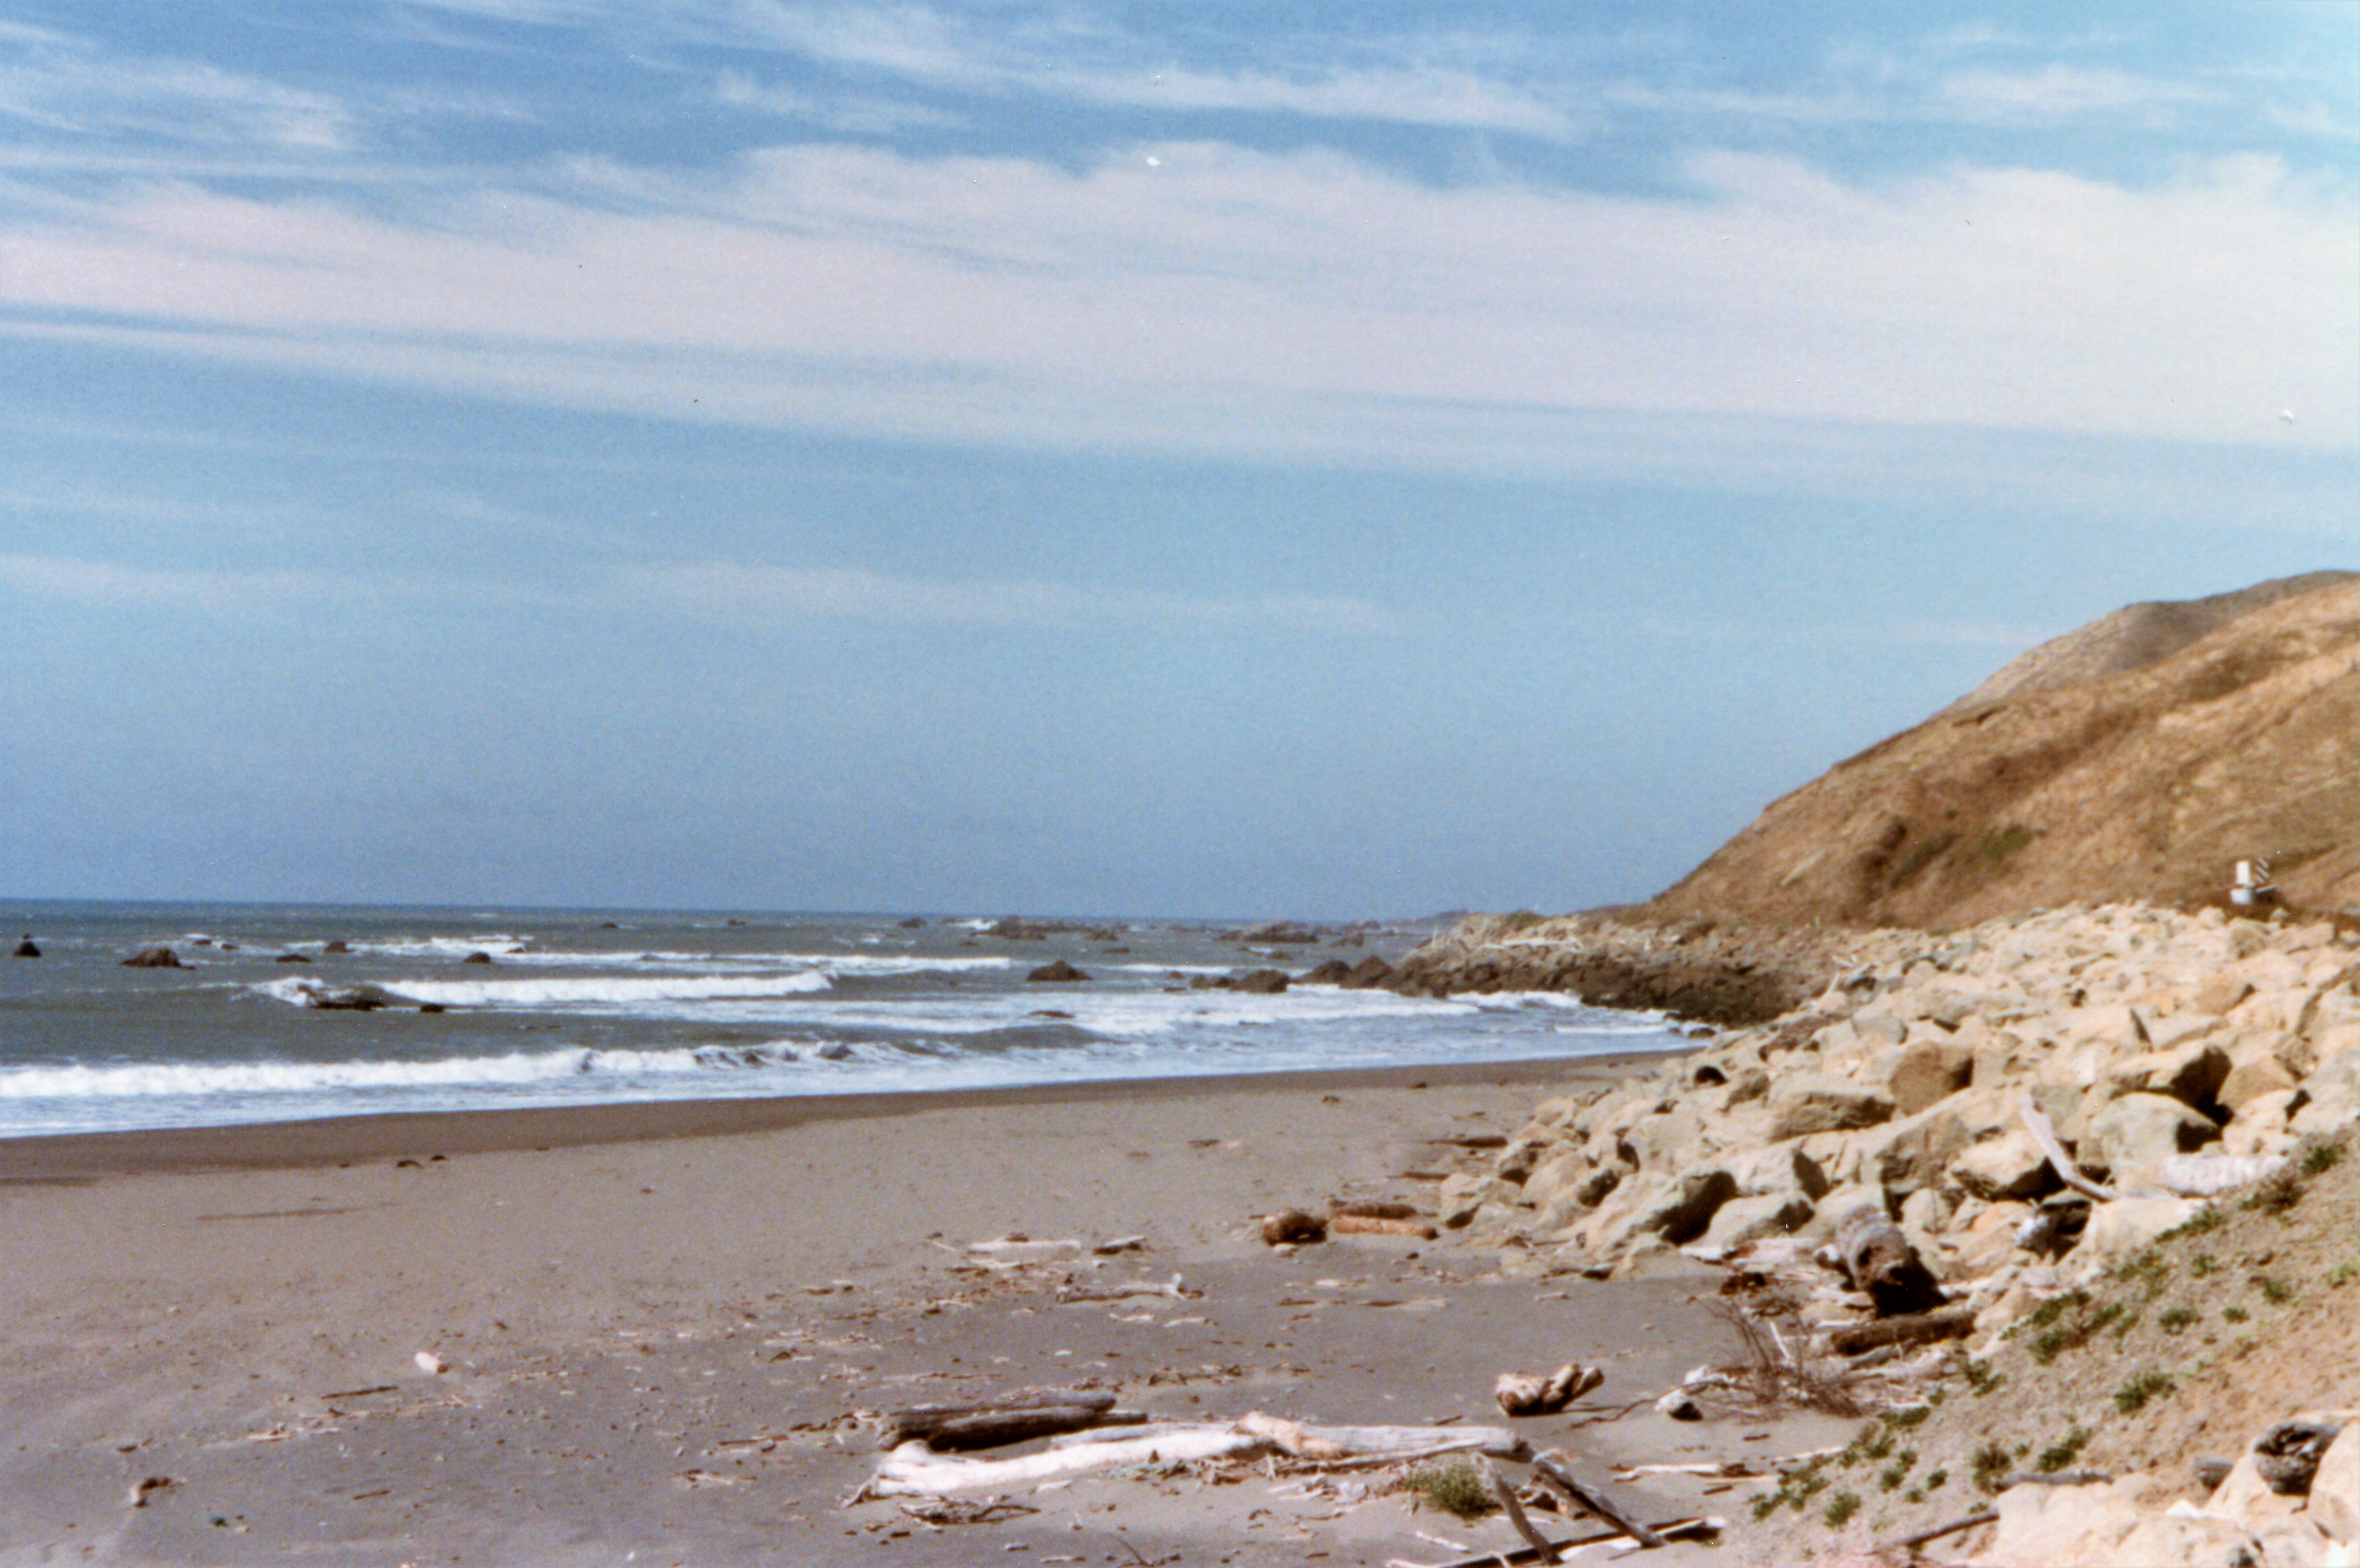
61, 85
852, 115
82, 581
1188, 294
770, 595
2058, 92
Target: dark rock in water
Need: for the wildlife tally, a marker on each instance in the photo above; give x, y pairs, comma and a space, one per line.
734, 920
345, 998
834, 1053
913, 923
1208, 983
1059, 971
26, 949
608, 925
339, 946
290, 958
476, 958
1368, 975
1335, 971
1260, 982
433, 1007
1047, 1013
225, 947
153, 958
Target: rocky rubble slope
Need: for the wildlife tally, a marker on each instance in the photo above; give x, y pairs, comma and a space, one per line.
2177, 1057
2146, 783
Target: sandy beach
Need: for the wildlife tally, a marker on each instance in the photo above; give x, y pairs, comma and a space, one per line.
659, 1323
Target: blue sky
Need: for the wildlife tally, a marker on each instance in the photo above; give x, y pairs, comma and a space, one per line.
1192, 459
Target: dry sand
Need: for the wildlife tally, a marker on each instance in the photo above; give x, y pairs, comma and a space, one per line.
658, 1322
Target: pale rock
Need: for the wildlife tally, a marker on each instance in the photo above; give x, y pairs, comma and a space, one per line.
2258, 1066
1808, 1103
1664, 1140
1556, 1174
1827, 1215
2246, 1497
2120, 1231
2190, 1073
2220, 995
2121, 1030
2334, 1088
2296, 1542
2260, 1125
1744, 1219
2169, 1033
2068, 1527
1910, 1153
1465, 1192
1778, 1169
1557, 1111
2334, 1039
1922, 1073
2335, 1490
2002, 1057
2138, 1132
1672, 1208
1985, 1113
1570, 1206
2009, 1166
2167, 1542
1521, 1157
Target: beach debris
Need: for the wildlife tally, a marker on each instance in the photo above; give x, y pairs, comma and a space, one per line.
1517, 1515
1113, 1245
1680, 1405
1008, 1418
1364, 1224
1915, 1328
1554, 1470
1075, 1295
430, 1364
153, 958
915, 1468
1292, 1227
1531, 1394
1614, 1541
139, 1490
1879, 1259
1015, 1249
937, 1512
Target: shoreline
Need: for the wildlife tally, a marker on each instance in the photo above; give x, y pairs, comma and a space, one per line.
32, 1158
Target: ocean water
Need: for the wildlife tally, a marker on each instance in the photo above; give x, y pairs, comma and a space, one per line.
585, 1007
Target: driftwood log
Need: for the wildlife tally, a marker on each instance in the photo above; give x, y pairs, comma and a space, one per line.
1011, 1418
1555, 1471
1529, 1394
1670, 1529
1916, 1328
1374, 1209
1541, 1544
1372, 1224
1879, 1261
2036, 1122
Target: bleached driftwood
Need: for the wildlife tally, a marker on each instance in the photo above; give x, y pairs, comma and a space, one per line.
1328, 1443
1671, 1530
1529, 1394
1073, 1295
1373, 1209
915, 1470
1368, 1225
2037, 1123
1516, 1517
1010, 1418
2210, 1175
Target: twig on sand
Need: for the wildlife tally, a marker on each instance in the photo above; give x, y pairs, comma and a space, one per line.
1508, 1500
1912, 1543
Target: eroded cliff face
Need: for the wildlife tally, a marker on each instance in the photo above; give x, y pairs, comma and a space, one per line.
2145, 780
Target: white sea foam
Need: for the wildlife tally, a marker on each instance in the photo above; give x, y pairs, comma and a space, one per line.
601, 990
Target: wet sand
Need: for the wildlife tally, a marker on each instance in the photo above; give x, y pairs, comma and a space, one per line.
660, 1324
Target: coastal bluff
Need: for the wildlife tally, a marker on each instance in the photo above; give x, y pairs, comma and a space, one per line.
2136, 759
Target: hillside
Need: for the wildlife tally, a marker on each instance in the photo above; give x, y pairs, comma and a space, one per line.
2134, 760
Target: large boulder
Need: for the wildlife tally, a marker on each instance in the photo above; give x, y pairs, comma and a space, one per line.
1910, 1153
2010, 1166
1057, 973
1260, 982
1805, 1103
2190, 1073
2138, 1132
2121, 1230
2070, 1526
1922, 1072
26, 949
153, 958
1672, 1208
1744, 1219
2335, 1489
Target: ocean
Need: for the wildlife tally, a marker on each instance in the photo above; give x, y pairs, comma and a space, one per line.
575, 1007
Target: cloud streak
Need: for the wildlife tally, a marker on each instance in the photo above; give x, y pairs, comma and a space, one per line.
784, 595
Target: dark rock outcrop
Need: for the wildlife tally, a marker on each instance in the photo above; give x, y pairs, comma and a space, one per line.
26, 949
1056, 972
476, 958
153, 958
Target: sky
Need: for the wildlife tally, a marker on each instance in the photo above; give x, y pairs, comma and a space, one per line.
1190, 458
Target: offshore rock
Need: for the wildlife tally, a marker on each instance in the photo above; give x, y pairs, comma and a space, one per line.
1056, 972
153, 958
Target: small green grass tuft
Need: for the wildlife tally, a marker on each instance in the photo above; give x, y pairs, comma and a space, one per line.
2060, 1454
2202, 1222
1842, 1506
2341, 1273
2202, 1264
2276, 1194
1456, 1489
1992, 1460
2171, 1319
1937, 1479
2233, 1313
2320, 1157
1892, 1474
2276, 1291
2133, 1396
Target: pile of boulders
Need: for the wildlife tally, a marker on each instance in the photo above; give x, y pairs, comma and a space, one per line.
2171, 1055
2294, 1498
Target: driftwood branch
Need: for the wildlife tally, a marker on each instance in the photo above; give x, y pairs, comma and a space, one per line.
1330, 1442
1557, 1473
1916, 1328
2036, 1122
1011, 1418
1912, 1543
1515, 1506
913, 1469
1670, 1529
1369, 1225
